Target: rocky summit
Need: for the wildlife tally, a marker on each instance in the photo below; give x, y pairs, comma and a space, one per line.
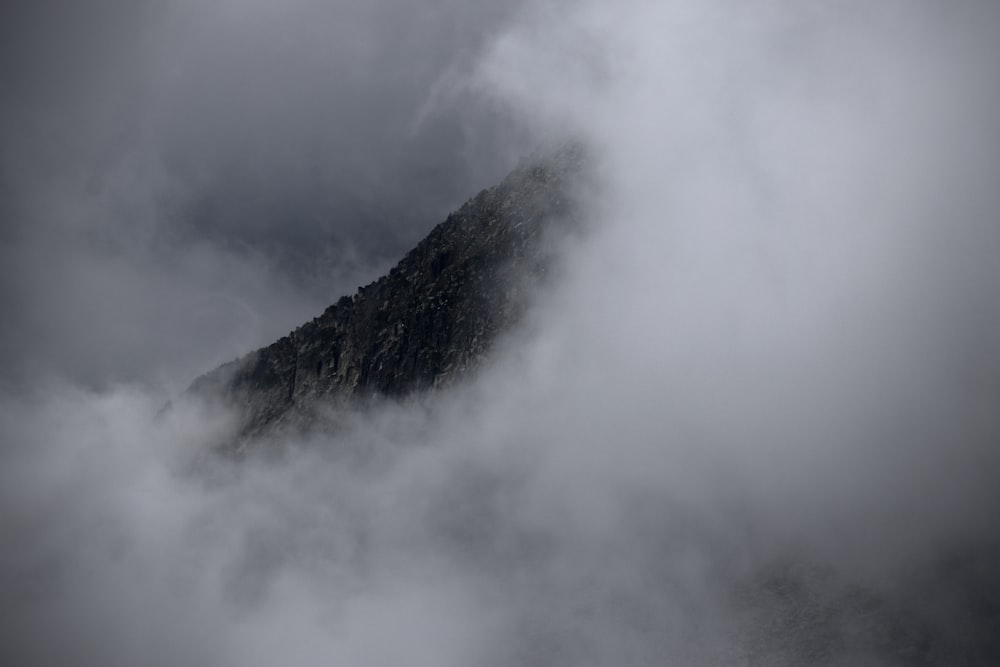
434, 319
427, 323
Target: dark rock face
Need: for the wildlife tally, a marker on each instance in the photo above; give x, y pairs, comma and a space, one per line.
428, 322
433, 319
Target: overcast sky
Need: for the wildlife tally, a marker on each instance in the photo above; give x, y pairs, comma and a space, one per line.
759, 403
182, 181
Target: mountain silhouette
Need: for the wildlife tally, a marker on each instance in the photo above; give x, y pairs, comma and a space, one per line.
427, 323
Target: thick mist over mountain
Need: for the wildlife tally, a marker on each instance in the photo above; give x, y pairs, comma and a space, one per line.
752, 419
197, 178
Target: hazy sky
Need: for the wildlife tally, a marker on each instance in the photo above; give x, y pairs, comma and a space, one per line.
775, 358
186, 176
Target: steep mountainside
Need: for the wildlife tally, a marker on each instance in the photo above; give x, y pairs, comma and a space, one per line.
433, 319
427, 322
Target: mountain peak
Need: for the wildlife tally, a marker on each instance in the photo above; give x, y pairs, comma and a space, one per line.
428, 322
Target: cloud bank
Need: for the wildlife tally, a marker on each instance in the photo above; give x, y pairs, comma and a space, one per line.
183, 181
754, 423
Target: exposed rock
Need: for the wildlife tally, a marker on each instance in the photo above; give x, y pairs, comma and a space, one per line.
434, 318
428, 322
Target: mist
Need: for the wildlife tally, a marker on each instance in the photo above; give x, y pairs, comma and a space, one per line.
184, 181
771, 362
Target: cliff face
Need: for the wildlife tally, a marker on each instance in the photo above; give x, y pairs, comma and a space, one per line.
433, 319
428, 322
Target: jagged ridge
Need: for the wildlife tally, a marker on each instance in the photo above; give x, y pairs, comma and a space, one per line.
426, 323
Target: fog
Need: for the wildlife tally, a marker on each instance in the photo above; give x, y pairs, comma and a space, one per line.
183, 181
754, 422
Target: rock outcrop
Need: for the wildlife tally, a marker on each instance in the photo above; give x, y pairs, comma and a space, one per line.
428, 322
434, 318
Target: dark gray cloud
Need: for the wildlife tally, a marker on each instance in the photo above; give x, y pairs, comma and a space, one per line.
275, 157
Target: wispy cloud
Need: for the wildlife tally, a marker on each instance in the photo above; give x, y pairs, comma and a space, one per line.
755, 418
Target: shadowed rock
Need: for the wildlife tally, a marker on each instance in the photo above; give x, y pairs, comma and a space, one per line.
430, 321
434, 319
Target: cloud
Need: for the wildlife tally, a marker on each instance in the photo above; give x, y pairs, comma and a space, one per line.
275, 156
755, 420
794, 258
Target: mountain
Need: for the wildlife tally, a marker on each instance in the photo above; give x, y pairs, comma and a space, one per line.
433, 319
427, 323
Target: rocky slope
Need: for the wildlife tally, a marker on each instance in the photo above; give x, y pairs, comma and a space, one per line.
433, 319
428, 322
